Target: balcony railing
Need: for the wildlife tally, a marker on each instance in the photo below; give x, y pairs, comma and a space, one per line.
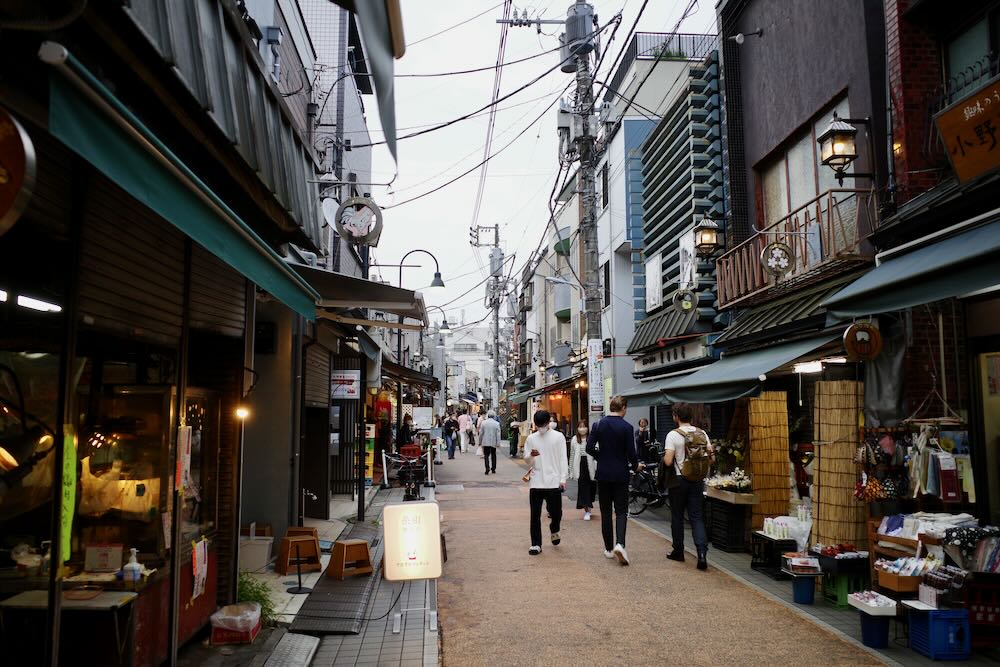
660, 46
827, 237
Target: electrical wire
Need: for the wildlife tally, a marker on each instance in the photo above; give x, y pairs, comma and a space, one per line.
621, 52
469, 291
476, 69
457, 25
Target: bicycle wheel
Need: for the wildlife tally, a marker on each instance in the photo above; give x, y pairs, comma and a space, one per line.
636, 503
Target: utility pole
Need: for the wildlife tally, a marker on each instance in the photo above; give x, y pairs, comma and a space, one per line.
578, 43
495, 290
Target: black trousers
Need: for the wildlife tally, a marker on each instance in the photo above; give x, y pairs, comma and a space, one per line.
553, 504
488, 454
616, 493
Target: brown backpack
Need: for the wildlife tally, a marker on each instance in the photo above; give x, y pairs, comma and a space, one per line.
697, 457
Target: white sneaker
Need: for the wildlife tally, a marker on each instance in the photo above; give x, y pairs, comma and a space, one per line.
608, 554
619, 552
586, 516
535, 550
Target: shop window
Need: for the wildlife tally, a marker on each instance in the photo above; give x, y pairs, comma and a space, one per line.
201, 489
606, 282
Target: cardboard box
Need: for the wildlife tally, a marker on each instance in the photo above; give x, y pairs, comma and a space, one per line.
895, 582
223, 636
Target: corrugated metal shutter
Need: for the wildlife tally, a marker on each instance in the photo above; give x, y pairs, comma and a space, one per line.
317, 391
49, 206
342, 468
218, 295
131, 267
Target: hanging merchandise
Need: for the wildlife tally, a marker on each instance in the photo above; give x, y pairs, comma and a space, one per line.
951, 492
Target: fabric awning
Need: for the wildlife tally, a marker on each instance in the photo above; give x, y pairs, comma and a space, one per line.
338, 290
93, 122
518, 398
649, 393
739, 375
966, 262
410, 376
558, 384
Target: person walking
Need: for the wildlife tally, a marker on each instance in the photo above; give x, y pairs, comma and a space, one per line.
478, 426
645, 442
545, 453
451, 434
582, 468
489, 438
464, 430
688, 444
612, 443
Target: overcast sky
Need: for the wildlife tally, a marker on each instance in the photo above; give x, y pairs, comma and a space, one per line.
520, 179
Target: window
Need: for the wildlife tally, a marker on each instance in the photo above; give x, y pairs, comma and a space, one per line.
604, 186
466, 347
967, 54
606, 281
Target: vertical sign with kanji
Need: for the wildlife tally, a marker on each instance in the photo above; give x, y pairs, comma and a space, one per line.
970, 129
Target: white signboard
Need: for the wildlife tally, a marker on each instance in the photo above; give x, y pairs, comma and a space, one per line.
688, 263
595, 376
412, 541
654, 282
423, 418
345, 385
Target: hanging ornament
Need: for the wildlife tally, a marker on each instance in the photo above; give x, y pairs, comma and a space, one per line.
777, 258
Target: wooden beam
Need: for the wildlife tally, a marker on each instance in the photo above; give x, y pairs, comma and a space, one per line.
343, 319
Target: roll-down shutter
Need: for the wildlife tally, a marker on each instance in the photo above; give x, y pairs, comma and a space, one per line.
218, 295
317, 391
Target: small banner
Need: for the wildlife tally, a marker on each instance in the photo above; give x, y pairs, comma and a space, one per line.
68, 491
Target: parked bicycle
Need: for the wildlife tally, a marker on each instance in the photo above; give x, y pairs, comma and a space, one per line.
643, 492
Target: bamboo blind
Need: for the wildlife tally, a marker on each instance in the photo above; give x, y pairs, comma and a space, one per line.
769, 455
838, 516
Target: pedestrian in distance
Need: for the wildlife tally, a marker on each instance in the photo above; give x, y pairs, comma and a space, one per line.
476, 439
645, 442
612, 443
405, 432
489, 438
464, 430
545, 453
583, 468
451, 434
689, 452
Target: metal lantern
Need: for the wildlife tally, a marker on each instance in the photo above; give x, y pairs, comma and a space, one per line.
837, 145
706, 237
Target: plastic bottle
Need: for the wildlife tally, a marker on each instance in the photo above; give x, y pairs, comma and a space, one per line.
132, 570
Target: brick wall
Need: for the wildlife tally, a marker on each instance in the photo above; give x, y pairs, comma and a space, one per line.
923, 358
914, 77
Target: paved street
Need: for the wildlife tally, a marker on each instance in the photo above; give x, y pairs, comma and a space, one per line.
499, 605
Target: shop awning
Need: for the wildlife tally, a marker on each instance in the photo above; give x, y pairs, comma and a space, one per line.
649, 393
410, 376
942, 268
518, 398
344, 292
739, 375
665, 325
565, 383
91, 121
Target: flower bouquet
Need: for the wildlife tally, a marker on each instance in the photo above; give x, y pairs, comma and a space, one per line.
735, 487
730, 455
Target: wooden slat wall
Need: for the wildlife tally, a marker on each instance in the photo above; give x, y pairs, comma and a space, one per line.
769, 455
317, 371
839, 517
131, 267
218, 301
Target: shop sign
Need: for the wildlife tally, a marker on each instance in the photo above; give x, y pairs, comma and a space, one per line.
412, 541
970, 129
17, 170
862, 341
358, 220
345, 385
595, 376
369, 454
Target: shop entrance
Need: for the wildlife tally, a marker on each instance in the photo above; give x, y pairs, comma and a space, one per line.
988, 365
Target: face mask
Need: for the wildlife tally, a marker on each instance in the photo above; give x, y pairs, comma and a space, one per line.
581, 431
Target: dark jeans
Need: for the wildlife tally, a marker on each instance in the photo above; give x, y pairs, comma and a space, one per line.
490, 453
688, 496
616, 493
553, 504
451, 440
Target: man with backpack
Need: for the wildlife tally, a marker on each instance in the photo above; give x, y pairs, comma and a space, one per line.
689, 452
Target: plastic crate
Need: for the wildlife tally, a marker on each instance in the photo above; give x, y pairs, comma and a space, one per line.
982, 601
727, 525
766, 554
803, 590
874, 630
942, 634
836, 587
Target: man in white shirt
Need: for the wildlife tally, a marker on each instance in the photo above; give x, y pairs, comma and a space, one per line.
686, 494
545, 452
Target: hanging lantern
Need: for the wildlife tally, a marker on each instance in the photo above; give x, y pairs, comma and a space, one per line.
706, 237
837, 145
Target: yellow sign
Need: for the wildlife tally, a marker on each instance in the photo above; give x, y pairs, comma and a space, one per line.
68, 491
369, 454
970, 129
412, 541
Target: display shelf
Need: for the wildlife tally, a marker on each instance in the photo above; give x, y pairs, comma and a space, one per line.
766, 553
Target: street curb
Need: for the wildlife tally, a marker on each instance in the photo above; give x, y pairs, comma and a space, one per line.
802, 614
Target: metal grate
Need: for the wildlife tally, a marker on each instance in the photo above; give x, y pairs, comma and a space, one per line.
294, 650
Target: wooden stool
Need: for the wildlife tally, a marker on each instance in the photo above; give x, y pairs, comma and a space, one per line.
294, 531
350, 557
308, 554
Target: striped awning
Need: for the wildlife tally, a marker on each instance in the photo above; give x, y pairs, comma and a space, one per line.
668, 323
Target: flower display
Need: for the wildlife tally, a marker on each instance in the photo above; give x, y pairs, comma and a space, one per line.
737, 481
730, 455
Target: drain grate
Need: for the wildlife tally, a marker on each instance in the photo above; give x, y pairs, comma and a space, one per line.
294, 650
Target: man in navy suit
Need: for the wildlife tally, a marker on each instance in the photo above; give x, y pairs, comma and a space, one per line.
612, 443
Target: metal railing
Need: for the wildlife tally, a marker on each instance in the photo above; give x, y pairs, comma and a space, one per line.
657, 46
826, 235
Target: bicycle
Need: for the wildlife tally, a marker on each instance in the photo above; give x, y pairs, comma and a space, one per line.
643, 492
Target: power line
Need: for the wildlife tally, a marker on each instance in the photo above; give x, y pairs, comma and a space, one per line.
476, 69
457, 25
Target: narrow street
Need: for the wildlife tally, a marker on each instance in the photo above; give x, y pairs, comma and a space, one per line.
498, 605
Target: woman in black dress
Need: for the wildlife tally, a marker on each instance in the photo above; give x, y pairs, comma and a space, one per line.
583, 468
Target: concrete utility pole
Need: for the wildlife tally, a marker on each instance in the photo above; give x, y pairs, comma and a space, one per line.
495, 289
578, 42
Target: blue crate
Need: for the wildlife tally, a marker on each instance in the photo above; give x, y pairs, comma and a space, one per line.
942, 634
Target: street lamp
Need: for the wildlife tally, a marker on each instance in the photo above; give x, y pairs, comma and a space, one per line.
437, 282
706, 237
444, 317
838, 146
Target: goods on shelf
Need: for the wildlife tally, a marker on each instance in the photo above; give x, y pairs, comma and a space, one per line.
798, 562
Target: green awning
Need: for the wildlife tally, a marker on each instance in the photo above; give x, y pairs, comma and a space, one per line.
91, 121
518, 398
739, 375
955, 265
648, 393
